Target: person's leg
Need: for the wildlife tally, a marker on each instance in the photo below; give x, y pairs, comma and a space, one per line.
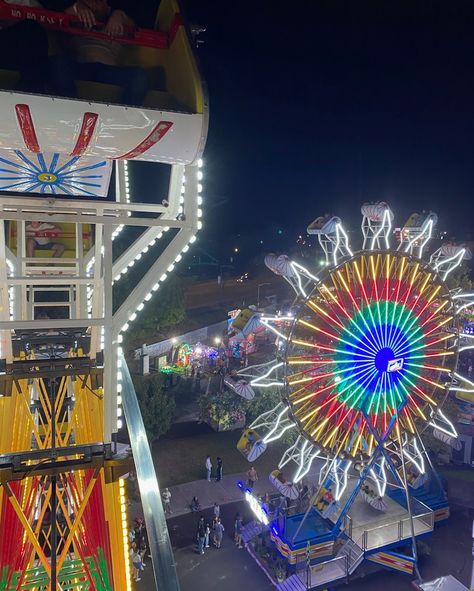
58, 249
30, 247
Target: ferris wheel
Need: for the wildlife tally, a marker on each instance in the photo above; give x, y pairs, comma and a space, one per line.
368, 354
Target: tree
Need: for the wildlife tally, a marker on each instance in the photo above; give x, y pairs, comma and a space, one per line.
166, 308
460, 278
265, 399
157, 405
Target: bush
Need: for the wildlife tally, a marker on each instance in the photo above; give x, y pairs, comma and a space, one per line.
156, 404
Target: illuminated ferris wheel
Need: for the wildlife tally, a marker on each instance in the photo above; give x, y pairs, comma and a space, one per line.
368, 354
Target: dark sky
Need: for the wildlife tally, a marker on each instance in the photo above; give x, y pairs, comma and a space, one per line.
318, 106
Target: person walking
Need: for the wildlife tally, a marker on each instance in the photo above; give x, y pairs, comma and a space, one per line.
166, 494
252, 477
217, 510
238, 526
208, 468
219, 470
201, 535
218, 533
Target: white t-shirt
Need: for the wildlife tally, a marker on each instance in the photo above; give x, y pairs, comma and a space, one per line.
43, 227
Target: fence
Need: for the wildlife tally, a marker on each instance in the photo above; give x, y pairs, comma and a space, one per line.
195, 336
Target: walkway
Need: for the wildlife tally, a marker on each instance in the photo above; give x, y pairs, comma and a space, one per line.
208, 493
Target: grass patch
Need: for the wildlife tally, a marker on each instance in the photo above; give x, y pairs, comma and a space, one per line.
182, 460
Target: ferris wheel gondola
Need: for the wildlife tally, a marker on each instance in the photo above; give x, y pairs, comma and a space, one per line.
240, 387
376, 212
324, 224
61, 277
286, 488
280, 265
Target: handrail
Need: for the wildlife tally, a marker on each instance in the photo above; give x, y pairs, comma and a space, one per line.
362, 541
66, 23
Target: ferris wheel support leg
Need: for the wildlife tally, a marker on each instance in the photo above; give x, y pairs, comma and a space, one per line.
110, 351
5, 335
409, 507
164, 565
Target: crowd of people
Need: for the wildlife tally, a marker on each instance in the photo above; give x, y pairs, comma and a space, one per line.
138, 547
24, 47
213, 531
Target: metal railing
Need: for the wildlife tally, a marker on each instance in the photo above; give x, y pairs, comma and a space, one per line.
325, 572
396, 531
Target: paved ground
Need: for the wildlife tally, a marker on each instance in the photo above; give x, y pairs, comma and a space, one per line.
208, 493
232, 569
228, 568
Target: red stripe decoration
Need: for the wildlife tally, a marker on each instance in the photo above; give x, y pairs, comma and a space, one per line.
89, 122
159, 131
27, 127
174, 28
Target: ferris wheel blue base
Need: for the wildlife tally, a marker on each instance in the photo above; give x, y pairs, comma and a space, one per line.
311, 544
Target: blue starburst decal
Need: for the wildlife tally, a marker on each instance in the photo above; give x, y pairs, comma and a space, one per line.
55, 174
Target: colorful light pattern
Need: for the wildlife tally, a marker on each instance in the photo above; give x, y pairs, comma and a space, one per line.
54, 174
374, 362
372, 343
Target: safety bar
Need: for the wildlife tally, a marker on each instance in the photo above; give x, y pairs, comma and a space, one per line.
68, 23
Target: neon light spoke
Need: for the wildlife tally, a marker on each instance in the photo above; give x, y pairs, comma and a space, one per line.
369, 352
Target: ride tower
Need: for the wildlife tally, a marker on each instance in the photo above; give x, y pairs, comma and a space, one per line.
65, 196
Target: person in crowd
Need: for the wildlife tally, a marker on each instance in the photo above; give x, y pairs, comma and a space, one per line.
166, 495
201, 535
208, 468
208, 533
195, 506
137, 565
99, 60
238, 526
217, 510
142, 548
252, 477
218, 532
40, 236
219, 470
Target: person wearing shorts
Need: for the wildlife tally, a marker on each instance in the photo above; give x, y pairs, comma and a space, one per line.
39, 236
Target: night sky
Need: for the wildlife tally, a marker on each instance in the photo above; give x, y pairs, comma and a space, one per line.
317, 107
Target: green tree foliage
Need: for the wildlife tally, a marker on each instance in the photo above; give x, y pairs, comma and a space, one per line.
156, 404
265, 399
166, 308
460, 278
